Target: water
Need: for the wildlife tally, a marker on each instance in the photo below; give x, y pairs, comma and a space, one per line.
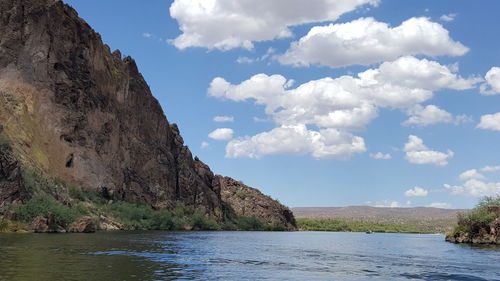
111, 256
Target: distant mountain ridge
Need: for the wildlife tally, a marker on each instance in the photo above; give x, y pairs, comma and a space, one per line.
378, 214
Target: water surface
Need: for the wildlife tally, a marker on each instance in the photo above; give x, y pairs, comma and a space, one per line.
111, 256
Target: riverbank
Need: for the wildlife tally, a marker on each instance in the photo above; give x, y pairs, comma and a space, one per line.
481, 225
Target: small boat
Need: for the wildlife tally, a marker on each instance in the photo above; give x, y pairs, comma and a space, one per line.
369, 232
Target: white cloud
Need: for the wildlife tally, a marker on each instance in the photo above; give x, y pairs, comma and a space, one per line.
346, 103
222, 119
366, 41
431, 114
204, 145
476, 188
221, 134
388, 204
424, 116
297, 140
476, 183
471, 174
448, 17
228, 24
418, 153
247, 60
492, 85
416, 192
381, 156
490, 168
440, 205
147, 35
490, 122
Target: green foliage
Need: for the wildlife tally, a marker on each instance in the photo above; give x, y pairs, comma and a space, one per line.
249, 224
45, 205
356, 226
76, 193
4, 225
478, 218
489, 201
38, 183
63, 203
4, 141
241, 194
143, 217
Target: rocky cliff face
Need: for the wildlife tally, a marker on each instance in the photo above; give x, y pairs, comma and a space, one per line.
11, 182
250, 202
80, 112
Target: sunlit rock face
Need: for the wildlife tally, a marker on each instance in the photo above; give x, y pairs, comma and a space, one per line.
78, 111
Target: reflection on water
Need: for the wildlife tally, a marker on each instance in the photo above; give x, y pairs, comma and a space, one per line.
242, 256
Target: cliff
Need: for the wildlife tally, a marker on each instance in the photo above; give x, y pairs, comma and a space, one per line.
250, 202
73, 113
82, 113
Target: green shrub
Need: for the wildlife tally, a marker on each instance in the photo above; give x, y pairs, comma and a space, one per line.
476, 219
249, 224
45, 205
489, 201
4, 225
200, 222
4, 141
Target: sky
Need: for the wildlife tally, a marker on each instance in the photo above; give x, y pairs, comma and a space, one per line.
326, 102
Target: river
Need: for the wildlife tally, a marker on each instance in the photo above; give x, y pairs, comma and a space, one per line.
113, 256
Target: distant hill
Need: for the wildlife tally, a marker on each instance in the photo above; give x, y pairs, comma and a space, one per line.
376, 214
440, 220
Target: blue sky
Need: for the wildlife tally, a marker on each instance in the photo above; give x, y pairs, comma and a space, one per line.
428, 82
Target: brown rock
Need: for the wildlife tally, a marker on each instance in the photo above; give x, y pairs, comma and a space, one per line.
82, 113
82, 225
40, 225
248, 201
11, 184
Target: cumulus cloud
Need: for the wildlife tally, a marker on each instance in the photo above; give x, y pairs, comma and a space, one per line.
476, 184
448, 17
221, 134
490, 122
476, 188
297, 140
222, 119
492, 85
490, 168
431, 114
388, 204
418, 153
346, 103
416, 192
440, 205
366, 41
381, 156
204, 145
228, 24
471, 174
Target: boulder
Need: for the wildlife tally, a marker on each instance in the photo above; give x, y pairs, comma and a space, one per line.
82, 225
40, 225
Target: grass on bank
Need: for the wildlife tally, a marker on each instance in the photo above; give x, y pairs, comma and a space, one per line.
339, 225
481, 217
64, 203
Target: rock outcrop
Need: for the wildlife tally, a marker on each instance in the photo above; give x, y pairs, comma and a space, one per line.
250, 202
80, 112
484, 235
82, 225
11, 182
